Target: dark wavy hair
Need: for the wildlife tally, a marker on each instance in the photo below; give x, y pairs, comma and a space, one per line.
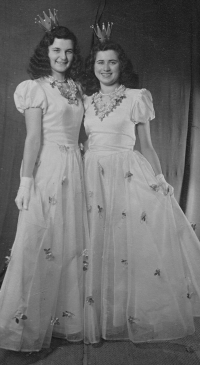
127, 76
39, 65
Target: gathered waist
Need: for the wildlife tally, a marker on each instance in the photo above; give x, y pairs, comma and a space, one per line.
109, 149
112, 142
63, 147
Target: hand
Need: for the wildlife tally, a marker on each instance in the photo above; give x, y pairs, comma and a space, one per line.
166, 188
23, 196
171, 189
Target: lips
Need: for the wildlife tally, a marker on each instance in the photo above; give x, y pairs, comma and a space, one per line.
106, 75
62, 63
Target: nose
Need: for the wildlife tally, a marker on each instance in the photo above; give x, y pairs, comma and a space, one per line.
106, 66
63, 56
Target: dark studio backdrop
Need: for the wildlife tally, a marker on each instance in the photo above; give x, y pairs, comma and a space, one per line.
162, 38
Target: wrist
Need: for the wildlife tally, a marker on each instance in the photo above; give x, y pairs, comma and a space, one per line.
160, 178
26, 182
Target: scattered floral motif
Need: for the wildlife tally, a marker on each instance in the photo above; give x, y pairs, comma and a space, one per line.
103, 109
128, 175
123, 214
55, 321
189, 292
100, 211
85, 253
37, 163
85, 265
68, 314
132, 319
193, 225
89, 208
63, 179
154, 187
157, 272
125, 262
49, 255
85, 262
52, 200
89, 300
63, 148
18, 316
143, 217
101, 168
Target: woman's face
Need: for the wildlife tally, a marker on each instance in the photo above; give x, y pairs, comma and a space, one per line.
107, 67
61, 54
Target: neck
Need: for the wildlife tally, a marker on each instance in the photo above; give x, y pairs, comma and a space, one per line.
108, 89
58, 76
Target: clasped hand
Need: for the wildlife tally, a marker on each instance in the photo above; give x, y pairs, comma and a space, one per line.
162, 183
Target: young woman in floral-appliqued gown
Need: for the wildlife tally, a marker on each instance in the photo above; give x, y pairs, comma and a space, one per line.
42, 292
143, 261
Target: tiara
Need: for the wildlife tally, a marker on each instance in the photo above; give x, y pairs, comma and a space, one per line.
49, 22
102, 34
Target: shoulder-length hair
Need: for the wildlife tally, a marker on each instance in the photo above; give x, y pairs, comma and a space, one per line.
127, 76
39, 65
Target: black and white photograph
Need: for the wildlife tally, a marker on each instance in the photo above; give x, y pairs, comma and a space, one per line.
100, 182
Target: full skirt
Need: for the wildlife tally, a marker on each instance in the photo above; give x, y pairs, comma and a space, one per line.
42, 292
143, 261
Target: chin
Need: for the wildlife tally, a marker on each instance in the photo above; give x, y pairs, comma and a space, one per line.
106, 82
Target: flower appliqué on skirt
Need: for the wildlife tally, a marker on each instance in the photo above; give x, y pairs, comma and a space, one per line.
49, 255
68, 314
90, 300
128, 175
19, 315
55, 321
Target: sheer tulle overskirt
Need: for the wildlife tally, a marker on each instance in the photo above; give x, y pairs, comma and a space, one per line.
143, 277
42, 293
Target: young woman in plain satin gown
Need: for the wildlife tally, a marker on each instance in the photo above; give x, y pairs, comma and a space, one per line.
42, 292
143, 260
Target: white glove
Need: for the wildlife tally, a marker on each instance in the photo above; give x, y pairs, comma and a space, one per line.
166, 188
23, 195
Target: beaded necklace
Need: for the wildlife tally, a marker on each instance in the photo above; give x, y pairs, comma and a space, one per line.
103, 109
67, 88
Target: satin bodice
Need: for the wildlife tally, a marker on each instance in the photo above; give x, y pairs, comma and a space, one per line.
116, 132
61, 121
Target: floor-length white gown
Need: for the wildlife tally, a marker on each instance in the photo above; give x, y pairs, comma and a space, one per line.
143, 261
42, 292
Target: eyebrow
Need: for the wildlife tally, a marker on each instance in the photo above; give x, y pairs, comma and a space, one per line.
68, 49
107, 60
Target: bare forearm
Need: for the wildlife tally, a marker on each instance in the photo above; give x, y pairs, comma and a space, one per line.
152, 157
31, 149
86, 143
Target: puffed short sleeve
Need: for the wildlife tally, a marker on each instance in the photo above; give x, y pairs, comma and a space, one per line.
143, 109
29, 94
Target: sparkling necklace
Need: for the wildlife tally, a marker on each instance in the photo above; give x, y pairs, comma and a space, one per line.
102, 108
67, 88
